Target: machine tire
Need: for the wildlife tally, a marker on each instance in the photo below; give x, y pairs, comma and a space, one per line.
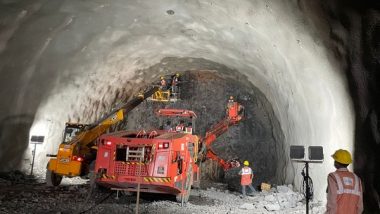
52, 179
186, 196
92, 175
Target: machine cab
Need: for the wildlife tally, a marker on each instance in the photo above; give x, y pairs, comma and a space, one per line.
177, 120
71, 130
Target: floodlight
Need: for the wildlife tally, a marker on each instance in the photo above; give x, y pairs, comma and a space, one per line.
297, 152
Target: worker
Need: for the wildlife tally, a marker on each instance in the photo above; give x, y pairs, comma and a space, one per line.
230, 102
175, 82
167, 126
163, 84
189, 128
231, 99
344, 191
246, 178
180, 127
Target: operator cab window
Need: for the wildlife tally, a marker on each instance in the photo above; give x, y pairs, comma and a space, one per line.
69, 134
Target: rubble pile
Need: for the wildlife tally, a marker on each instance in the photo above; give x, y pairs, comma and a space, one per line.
36, 197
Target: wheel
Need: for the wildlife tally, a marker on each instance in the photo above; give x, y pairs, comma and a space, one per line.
186, 195
52, 179
92, 175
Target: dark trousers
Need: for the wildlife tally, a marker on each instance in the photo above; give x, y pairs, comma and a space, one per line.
250, 186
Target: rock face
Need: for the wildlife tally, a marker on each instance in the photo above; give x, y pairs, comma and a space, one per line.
354, 35
258, 138
72, 60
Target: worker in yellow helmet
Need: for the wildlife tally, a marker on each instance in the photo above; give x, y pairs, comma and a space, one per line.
344, 191
246, 178
231, 99
163, 84
230, 104
174, 85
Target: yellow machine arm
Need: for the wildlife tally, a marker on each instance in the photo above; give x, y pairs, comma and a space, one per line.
74, 155
88, 136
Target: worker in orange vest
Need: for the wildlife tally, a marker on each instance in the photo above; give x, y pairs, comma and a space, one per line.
344, 191
246, 178
180, 127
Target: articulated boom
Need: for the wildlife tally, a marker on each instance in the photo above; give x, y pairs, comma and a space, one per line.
163, 160
235, 113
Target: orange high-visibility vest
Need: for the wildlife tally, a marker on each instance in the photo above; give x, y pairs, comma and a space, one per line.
349, 192
246, 176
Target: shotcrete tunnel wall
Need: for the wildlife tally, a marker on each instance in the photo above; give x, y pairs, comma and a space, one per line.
70, 60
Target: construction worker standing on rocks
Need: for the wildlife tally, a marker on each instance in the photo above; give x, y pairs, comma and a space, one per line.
344, 191
246, 178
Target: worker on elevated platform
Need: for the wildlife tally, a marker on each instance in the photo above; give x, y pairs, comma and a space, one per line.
246, 178
163, 84
230, 103
180, 127
168, 126
189, 128
174, 83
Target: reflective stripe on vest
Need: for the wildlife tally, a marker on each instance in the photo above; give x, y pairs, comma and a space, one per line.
246, 176
179, 128
342, 190
246, 171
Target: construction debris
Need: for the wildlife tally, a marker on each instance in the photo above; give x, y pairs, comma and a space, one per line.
37, 198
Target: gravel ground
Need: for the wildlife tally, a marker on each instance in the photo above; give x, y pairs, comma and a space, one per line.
75, 196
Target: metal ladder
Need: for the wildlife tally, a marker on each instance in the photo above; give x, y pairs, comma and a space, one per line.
135, 154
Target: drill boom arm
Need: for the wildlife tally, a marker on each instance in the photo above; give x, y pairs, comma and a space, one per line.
234, 115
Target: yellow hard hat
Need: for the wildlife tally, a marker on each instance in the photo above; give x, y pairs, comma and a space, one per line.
342, 156
246, 163
177, 74
162, 77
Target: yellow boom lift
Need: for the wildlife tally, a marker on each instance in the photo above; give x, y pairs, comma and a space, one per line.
76, 153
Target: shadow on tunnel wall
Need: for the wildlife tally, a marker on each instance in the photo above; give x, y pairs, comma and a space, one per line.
354, 35
14, 134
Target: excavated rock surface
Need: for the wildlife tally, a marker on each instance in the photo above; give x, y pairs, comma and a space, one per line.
205, 90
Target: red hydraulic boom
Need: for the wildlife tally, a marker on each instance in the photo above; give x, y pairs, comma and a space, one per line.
235, 113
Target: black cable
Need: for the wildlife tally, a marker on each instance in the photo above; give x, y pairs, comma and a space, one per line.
307, 181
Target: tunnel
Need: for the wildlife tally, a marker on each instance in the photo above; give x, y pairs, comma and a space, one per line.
305, 71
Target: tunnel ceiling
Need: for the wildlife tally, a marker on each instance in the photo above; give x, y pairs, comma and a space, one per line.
60, 58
